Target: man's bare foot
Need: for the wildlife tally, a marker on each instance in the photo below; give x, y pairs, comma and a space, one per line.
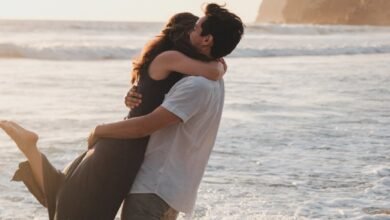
26, 140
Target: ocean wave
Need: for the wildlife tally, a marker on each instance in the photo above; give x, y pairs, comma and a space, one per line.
382, 171
43, 26
325, 51
154, 27
298, 29
82, 52
60, 52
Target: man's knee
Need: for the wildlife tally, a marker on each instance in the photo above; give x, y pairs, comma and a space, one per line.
147, 207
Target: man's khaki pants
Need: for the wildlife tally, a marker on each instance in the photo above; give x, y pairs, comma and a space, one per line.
147, 207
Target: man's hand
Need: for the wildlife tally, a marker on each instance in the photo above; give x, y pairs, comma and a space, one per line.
133, 99
92, 139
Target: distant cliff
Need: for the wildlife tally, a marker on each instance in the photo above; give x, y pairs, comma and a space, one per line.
271, 11
353, 12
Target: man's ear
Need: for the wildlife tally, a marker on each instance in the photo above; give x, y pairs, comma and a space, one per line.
208, 40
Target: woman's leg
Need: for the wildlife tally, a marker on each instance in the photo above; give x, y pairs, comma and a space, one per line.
27, 142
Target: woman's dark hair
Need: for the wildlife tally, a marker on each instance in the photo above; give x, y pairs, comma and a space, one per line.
225, 27
174, 36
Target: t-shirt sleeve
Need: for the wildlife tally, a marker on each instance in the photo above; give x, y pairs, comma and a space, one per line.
187, 98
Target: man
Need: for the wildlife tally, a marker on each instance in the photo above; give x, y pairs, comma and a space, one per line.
184, 128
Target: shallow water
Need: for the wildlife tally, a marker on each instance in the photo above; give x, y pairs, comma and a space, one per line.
305, 129
304, 137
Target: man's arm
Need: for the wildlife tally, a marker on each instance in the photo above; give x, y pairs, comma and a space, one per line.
136, 127
185, 100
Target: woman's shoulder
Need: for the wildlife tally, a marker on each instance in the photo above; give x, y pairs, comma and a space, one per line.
169, 54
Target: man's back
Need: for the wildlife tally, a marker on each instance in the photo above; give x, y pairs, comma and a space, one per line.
176, 156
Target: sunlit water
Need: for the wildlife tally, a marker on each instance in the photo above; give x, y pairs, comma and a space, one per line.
303, 136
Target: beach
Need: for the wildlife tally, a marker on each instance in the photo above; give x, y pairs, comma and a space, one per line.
304, 133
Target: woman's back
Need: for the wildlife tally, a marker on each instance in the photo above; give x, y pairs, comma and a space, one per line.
153, 92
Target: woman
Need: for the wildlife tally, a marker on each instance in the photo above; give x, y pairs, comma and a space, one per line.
95, 184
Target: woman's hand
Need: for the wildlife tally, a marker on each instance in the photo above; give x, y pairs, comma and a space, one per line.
133, 99
222, 60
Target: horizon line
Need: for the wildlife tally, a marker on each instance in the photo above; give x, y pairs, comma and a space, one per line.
88, 20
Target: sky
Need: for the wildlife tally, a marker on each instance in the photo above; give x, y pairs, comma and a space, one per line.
117, 10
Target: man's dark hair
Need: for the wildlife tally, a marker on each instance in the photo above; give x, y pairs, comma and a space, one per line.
225, 27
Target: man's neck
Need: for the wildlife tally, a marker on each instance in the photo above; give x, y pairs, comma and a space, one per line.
206, 52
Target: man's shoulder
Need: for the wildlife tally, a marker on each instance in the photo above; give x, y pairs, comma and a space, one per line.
196, 82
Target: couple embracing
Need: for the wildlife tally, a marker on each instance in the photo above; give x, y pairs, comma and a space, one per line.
154, 160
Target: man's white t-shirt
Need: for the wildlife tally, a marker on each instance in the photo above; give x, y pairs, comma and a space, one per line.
176, 156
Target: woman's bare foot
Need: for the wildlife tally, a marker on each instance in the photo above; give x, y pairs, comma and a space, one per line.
26, 140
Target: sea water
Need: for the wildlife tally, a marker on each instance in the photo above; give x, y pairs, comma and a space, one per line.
305, 132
